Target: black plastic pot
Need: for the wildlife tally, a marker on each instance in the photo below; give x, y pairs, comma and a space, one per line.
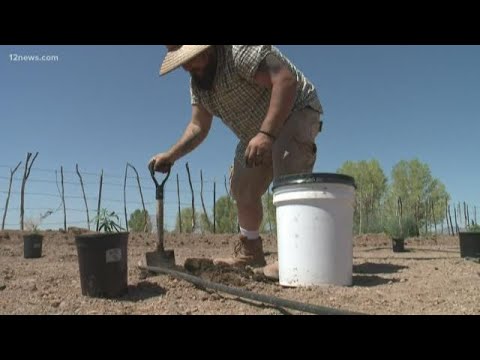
469, 244
32, 246
103, 263
398, 245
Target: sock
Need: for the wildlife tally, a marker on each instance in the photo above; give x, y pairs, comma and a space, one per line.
251, 235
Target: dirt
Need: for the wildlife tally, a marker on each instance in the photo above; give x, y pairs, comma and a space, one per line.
429, 278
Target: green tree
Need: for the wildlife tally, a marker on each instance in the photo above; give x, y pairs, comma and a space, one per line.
371, 189
226, 215
140, 221
269, 222
206, 226
413, 182
186, 214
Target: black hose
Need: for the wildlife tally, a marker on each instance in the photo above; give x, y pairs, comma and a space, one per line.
278, 302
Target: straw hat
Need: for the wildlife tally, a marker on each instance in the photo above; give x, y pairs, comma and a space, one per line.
178, 55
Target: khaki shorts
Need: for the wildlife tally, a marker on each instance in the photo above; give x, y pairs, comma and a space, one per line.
293, 152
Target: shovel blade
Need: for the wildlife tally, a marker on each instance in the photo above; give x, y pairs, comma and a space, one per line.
165, 259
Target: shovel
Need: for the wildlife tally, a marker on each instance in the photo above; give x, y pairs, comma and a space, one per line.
160, 258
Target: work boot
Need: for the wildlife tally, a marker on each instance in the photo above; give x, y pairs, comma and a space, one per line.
246, 252
271, 271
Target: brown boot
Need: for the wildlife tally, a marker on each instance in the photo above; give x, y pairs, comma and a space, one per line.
246, 252
271, 271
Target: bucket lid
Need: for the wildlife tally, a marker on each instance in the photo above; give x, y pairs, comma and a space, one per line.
313, 178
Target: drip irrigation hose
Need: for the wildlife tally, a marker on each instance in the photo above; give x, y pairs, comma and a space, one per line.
278, 302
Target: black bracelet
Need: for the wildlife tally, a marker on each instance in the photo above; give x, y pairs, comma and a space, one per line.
268, 134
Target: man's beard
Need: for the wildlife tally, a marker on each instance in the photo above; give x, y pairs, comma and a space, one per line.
205, 82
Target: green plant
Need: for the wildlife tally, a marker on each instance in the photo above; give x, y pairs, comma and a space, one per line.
392, 227
107, 222
32, 225
473, 227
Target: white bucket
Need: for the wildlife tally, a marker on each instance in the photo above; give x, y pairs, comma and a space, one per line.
314, 229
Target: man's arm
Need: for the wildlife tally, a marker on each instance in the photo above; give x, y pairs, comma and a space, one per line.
275, 75
196, 131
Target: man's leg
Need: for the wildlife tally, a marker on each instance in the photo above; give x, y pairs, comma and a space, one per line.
247, 186
295, 152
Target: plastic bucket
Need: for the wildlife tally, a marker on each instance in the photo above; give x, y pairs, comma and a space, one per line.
32, 246
103, 263
469, 244
314, 229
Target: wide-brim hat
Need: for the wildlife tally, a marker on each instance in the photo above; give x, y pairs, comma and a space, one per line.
177, 55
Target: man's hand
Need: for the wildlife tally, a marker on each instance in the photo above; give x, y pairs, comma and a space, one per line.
160, 162
259, 151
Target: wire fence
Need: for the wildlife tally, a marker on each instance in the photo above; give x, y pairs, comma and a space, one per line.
42, 194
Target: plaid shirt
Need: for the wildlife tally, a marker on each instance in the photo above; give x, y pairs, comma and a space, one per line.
235, 98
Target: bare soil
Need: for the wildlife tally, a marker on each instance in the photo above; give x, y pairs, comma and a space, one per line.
429, 278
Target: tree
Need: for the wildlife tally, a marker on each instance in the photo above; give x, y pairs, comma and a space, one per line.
269, 222
371, 185
413, 182
186, 214
137, 221
226, 215
206, 226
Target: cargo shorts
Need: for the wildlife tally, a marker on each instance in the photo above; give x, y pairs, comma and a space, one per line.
293, 152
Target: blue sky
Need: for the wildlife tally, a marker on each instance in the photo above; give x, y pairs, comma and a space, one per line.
101, 106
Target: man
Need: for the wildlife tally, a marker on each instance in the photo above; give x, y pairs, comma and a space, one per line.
269, 105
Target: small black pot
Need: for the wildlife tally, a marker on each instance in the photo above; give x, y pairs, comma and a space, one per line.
398, 245
32, 246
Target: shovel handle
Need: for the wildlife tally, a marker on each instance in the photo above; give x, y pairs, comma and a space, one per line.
159, 197
152, 173
160, 244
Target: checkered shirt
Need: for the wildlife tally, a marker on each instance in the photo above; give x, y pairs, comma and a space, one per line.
235, 98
